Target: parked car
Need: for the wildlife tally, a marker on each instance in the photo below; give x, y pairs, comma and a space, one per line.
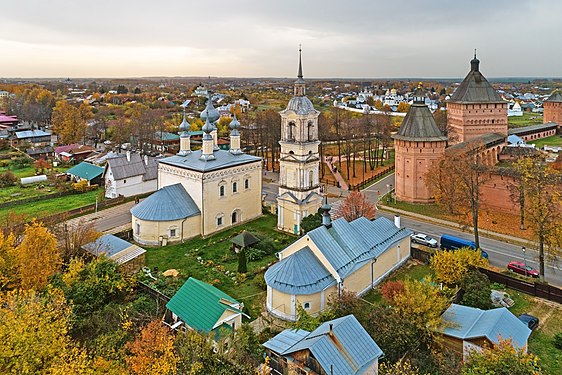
522, 269
449, 242
424, 239
531, 321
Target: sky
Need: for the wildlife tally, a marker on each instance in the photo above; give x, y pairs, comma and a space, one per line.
260, 38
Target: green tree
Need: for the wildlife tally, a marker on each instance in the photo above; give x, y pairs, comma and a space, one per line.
476, 290
311, 222
501, 359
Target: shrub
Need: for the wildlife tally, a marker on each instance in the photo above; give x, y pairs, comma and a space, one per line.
266, 245
7, 179
558, 340
391, 289
477, 290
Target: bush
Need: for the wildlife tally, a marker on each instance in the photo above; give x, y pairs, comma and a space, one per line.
21, 162
266, 245
477, 289
7, 179
253, 254
391, 289
558, 340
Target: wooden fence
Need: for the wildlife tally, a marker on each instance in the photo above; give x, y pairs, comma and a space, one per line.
152, 292
537, 289
38, 198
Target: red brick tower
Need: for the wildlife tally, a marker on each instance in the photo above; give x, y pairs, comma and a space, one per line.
553, 108
475, 108
418, 143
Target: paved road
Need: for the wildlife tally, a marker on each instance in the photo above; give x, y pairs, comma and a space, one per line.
500, 253
106, 220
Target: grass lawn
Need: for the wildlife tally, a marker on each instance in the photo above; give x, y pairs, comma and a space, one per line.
541, 340
526, 120
208, 259
51, 206
554, 140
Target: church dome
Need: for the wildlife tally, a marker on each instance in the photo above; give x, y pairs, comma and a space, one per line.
210, 112
301, 105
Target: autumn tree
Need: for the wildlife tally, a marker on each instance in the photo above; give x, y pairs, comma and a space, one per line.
476, 290
450, 267
354, 206
502, 358
37, 256
463, 167
401, 367
40, 165
8, 262
33, 331
540, 185
403, 107
71, 238
68, 122
7, 179
152, 352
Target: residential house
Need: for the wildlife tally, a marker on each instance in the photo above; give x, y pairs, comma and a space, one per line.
130, 257
130, 174
203, 308
87, 172
338, 255
73, 152
37, 138
467, 328
339, 347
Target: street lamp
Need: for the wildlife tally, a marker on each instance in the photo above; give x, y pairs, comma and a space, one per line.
524, 259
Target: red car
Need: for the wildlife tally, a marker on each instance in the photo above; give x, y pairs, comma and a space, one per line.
519, 267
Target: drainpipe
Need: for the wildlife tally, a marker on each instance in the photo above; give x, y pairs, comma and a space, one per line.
182, 223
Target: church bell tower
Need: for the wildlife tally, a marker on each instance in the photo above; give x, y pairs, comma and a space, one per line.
299, 188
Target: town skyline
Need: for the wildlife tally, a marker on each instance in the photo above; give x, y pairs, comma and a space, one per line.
250, 39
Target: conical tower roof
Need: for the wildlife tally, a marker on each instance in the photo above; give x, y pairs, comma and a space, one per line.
475, 88
556, 96
419, 124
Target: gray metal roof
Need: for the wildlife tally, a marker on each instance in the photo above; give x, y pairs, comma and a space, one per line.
301, 105
533, 128
346, 246
300, 273
169, 203
123, 168
223, 159
419, 125
245, 239
465, 322
346, 348
475, 88
556, 96
485, 140
115, 248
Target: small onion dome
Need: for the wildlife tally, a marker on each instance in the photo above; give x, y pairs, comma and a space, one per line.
419, 97
207, 128
474, 63
234, 124
210, 112
184, 126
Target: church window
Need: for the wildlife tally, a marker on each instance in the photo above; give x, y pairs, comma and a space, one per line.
311, 178
221, 191
138, 229
310, 131
306, 305
291, 135
173, 232
246, 183
219, 221
235, 187
124, 181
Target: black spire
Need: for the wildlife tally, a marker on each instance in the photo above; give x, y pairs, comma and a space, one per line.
300, 88
474, 63
299, 76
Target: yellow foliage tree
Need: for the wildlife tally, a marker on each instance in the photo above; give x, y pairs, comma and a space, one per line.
33, 331
68, 122
502, 358
451, 266
403, 107
37, 256
8, 262
152, 352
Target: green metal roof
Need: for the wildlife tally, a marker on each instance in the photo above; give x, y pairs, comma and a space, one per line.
200, 305
85, 171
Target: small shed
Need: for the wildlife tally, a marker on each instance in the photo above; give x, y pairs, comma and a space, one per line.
130, 257
86, 171
244, 240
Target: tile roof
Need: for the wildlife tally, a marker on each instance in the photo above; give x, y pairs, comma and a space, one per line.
347, 349
245, 239
419, 125
346, 247
465, 322
556, 96
123, 168
200, 305
475, 88
223, 159
86, 171
169, 203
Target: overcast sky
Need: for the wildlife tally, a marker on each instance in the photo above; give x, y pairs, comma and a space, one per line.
361, 38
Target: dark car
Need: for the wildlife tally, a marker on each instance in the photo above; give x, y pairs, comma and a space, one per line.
531, 321
522, 269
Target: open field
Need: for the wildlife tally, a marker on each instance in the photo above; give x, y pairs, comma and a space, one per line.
555, 140
208, 259
527, 119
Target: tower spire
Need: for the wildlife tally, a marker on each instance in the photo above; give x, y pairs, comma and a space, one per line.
300, 63
300, 87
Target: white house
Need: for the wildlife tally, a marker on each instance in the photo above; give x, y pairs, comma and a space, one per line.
130, 174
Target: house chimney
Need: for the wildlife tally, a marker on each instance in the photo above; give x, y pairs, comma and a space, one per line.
145, 159
326, 219
128, 155
397, 221
331, 329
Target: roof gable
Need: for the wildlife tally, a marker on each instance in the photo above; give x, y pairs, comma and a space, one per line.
200, 305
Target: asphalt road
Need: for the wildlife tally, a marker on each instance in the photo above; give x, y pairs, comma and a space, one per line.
500, 253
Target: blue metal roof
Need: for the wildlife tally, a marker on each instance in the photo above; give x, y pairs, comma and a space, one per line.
169, 203
32, 133
223, 159
86, 171
108, 244
346, 246
347, 350
465, 322
301, 273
